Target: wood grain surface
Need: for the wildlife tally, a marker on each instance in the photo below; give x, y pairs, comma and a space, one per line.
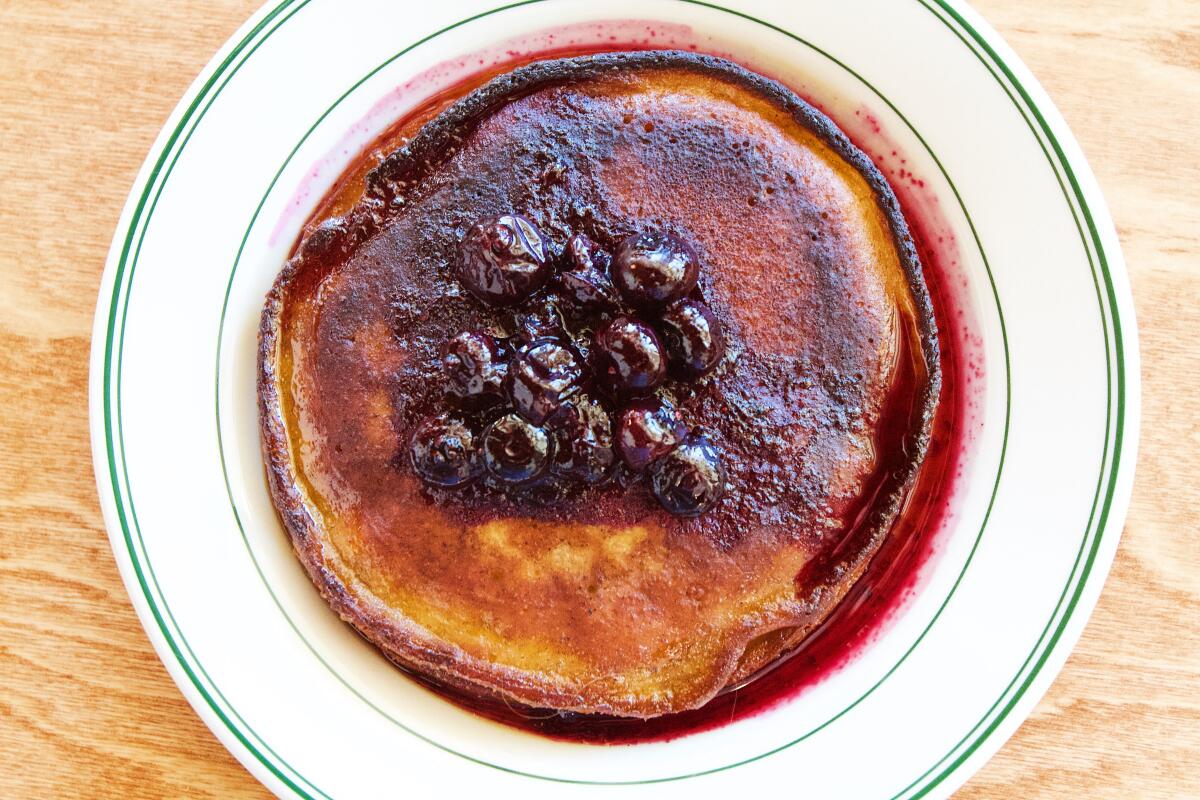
87, 710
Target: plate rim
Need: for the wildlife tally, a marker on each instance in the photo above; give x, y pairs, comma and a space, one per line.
1117, 294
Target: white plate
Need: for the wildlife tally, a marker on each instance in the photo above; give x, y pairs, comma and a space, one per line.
309, 708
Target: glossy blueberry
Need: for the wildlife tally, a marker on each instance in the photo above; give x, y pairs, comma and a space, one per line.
584, 276
690, 479
541, 319
653, 269
541, 375
629, 358
648, 430
503, 260
474, 367
582, 254
693, 336
585, 441
443, 451
516, 451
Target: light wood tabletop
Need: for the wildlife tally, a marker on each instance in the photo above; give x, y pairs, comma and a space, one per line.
87, 709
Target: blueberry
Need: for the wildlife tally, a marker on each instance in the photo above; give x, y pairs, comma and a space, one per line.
503, 260
653, 269
585, 441
541, 320
692, 332
646, 431
629, 358
541, 375
516, 451
442, 450
584, 276
690, 479
475, 367
582, 254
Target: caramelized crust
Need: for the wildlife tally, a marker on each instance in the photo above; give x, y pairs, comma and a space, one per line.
602, 602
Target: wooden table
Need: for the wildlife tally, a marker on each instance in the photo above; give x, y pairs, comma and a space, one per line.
86, 709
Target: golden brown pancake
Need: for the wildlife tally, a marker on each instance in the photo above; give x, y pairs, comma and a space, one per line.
597, 600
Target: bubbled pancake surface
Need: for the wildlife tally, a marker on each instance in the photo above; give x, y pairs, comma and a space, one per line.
603, 602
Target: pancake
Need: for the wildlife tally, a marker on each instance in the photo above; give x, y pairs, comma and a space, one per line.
595, 599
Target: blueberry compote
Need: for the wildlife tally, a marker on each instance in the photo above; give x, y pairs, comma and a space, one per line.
576, 390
